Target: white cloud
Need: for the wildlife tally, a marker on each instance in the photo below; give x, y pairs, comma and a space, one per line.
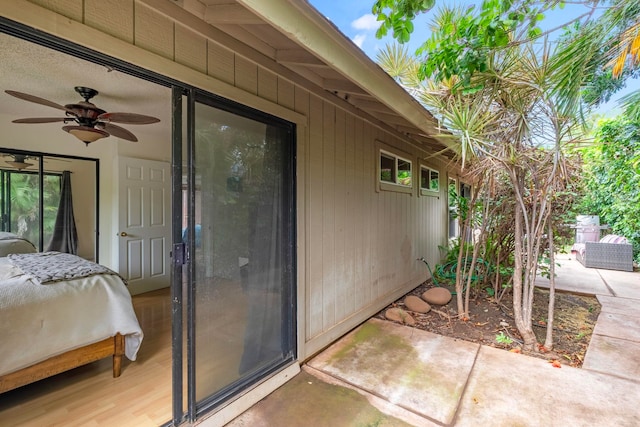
366, 22
359, 39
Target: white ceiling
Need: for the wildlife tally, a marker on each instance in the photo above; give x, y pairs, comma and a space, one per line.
49, 74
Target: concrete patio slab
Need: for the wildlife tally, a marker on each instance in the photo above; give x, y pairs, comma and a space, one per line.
613, 356
618, 326
625, 306
307, 400
571, 276
508, 389
416, 370
387, 374
624, 284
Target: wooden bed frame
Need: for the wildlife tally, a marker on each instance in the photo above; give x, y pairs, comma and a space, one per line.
113, 346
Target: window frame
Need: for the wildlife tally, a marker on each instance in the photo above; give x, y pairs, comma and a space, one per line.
424, 191
390, 153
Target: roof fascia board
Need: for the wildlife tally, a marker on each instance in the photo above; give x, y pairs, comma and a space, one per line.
302, 23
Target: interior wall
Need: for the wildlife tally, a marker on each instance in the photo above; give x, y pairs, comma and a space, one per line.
49, 138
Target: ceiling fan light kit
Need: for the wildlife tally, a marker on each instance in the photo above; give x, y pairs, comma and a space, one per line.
92, 122
19, 161
19, 165
85, 134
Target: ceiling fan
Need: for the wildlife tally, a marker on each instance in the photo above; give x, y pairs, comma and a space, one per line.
91, 122
19, 161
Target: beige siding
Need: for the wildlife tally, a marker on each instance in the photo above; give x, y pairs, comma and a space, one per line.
246, 75
70, 8
114, 17
190, 49
357, 247
153, 31
314, 186
267, 85
221, 63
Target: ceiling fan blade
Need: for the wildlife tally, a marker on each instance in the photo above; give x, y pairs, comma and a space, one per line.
42, 120
38, 100
128, 118
119, 132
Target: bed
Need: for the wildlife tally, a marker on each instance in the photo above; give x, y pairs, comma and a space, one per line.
58, 317
11, 243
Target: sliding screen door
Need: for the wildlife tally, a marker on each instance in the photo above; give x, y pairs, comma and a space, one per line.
241, 239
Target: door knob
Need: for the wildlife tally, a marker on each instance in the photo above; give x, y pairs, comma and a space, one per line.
123, 234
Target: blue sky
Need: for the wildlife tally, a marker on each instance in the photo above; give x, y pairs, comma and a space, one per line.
354, 19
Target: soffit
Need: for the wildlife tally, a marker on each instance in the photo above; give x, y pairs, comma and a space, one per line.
296, 50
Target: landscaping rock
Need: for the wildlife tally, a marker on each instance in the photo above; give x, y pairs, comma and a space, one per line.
437, 296
399, 315
416, 304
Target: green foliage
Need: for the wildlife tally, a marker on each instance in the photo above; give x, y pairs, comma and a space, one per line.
612, 179
398, 16
462, 38
24, 204
501, 338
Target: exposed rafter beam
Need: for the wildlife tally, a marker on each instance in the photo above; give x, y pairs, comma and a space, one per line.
299, 57
339, 85
230, 14
392, 119
371, 105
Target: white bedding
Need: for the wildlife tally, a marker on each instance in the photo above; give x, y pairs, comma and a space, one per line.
40, 321
13, 244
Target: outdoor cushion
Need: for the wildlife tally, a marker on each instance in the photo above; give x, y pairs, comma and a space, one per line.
613, 238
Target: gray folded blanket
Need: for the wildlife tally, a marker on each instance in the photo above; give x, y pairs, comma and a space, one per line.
48, 267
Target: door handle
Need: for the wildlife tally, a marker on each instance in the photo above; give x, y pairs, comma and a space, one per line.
123, 234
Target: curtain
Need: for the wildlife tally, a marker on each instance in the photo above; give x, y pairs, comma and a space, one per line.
263, 343
65, 235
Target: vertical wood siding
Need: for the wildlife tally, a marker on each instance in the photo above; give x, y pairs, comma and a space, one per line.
357, 246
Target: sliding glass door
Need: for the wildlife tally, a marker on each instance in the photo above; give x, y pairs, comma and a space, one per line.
239, 232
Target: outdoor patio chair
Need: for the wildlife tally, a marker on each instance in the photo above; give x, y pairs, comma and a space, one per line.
611, 252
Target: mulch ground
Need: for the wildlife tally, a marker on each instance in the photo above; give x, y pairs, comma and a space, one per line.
491, 323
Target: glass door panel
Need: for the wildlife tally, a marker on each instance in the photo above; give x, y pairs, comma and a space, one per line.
243, 254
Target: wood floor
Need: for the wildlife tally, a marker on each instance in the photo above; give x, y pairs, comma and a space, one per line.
90, 396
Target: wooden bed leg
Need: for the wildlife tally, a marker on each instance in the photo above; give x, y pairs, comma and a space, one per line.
118, 342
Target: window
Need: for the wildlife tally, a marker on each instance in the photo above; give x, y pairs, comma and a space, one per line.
429, 179
453, 210
20, 204
395, 170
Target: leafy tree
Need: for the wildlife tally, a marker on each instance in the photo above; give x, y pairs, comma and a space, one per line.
514, 120
612, 178
463, 46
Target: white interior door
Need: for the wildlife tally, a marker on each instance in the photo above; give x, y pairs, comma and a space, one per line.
144, 236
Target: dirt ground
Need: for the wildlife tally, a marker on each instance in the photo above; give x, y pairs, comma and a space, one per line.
491, 323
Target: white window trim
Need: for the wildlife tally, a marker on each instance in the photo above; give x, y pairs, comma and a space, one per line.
429, 191
393, 186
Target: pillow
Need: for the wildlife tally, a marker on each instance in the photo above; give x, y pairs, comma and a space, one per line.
613, 238
16, 246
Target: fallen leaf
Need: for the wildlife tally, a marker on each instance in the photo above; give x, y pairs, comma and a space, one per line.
481, 324
516, 350
555, 364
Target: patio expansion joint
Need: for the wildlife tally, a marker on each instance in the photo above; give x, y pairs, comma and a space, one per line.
372, 396
609, 288
454, 420
609, 374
